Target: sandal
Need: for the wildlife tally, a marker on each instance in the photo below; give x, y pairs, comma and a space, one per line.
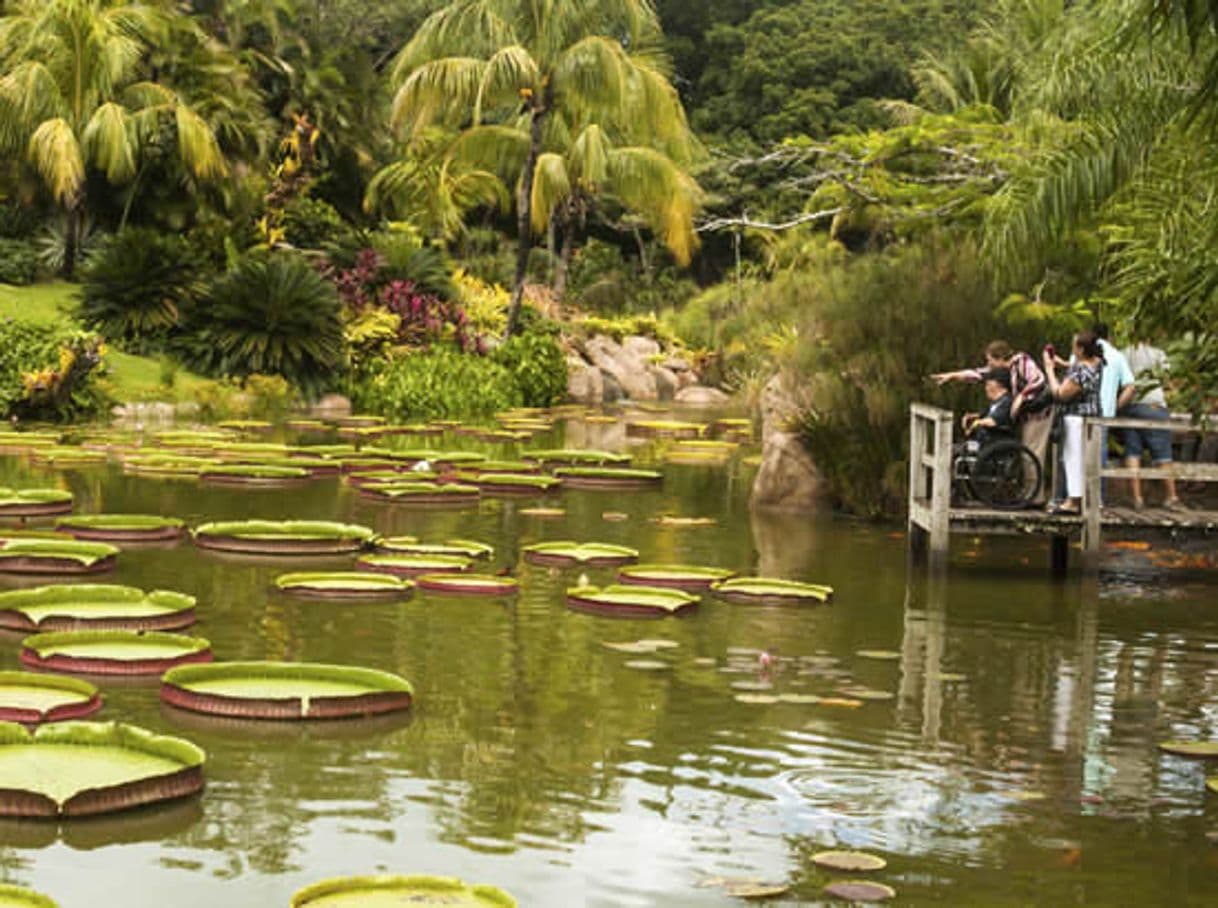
1061, 507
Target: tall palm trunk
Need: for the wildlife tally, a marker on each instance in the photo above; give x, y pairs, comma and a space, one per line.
524, 218
71, 240
563, 272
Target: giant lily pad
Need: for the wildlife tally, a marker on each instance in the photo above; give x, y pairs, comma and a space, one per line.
95, 607
771, 591
860, 891
630, 601
20, 442
592, 554
387, 891
123, 527
409, 545
113, 652
83, 768
512, 483
69, 456
665, 428
676, 576
256, 476
285, 690
413, 565
849, 861
344, 585
20, 897
34, 502
286, 537
32, 697
468, 584
245, 425
608, 478
577, 458
507, 466
168, 465
55, 556
421, 493
1205, 750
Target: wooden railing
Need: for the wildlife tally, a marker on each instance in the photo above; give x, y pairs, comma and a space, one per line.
930, 478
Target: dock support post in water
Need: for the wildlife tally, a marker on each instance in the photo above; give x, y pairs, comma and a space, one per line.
1059, 555
930, 483
1095, 437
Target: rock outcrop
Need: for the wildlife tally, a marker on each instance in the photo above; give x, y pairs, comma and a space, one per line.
788, 479
602, 370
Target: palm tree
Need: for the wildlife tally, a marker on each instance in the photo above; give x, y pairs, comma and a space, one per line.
485, 62
73, 95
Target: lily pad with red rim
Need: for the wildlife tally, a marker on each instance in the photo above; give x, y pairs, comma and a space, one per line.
69, 769
342, 585
860, 891
113, 652
676, 576
421, 493
34, 502
468, 584
630, 601
771, 591
591, 554
409, 545
285, 690
386, 891
283, 537
849, 861
255, 476
512, 483
122, 527
414, 565
577, 457
54, 556
95, 607
608, 478
1203, 750
34, 697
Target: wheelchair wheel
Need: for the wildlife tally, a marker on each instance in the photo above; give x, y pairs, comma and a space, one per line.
1007, 476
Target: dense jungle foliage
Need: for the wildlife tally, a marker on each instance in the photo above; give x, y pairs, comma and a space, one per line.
362, 196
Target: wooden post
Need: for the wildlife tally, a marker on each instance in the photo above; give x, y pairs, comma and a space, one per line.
1059, 555
1093, 466
941, 490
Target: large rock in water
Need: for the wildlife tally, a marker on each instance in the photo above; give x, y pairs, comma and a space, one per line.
585, 384
788, 479
701, 396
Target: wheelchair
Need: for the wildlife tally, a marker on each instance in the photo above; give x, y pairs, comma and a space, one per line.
1002, 474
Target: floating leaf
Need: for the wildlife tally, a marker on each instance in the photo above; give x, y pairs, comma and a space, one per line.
615, 516
882, 655
849, 861
865, 693
1212, 784
860, 891
648, 665
799, 698
949, 677
752, 685
839, 703
1199, 749
756, 698
659, 644
756, 890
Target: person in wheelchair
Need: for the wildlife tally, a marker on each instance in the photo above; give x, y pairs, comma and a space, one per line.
991, 466
997, 424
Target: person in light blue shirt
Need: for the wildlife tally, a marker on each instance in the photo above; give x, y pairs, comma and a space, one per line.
1118, 387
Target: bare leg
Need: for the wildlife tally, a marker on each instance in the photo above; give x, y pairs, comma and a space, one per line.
1135, 484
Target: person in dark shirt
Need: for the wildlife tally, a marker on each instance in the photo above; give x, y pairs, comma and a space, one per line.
997, 423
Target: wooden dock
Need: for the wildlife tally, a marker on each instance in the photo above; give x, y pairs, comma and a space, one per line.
934, 515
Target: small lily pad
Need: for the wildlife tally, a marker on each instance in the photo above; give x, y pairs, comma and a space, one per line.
756, 890
544, 513
635, 647
839, 702
865, 693
849, 861
752, 685
949, 677
765, 699
648, 665
806, 699
1212, 784
881, 655
860, 891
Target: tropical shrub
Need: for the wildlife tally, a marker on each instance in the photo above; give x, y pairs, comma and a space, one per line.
137, 284
403, 258
18, 261
310, 223
49, 371
537, 366
485, 304
271, 314
370, 334
438, 383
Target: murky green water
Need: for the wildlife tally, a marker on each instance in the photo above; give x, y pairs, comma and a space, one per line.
1014, 765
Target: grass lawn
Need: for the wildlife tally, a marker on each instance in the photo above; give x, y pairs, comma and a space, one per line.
133, 377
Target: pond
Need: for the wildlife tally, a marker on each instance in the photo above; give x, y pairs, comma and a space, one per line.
998, 749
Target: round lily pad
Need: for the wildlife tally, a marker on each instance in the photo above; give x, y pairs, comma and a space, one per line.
577, 457
287, 537
491, 467
544, 513
1206, 750
849, 861
413, 565
32, 697
122, 527
357, 421
20, 897
468, 584
285, 690
879, 655
409, 545
69, 456
647, 665
379, 476
55, 556
168, 465
592, 554
113, 652
84, 768
420, 891
608, 478
512, 483
360, 585
1212, 784
677, 576
19, 442
770, 591
630, 601
95, 607
860, 891
34, 502
665, 428
245, 425
257, 476
421, 493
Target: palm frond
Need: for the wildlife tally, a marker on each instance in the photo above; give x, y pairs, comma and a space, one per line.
197, 145
56, 155
438, 92
551, 187
509, 71
653, 186
107, 142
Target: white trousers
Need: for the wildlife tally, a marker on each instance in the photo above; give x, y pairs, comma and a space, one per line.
1072, 455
